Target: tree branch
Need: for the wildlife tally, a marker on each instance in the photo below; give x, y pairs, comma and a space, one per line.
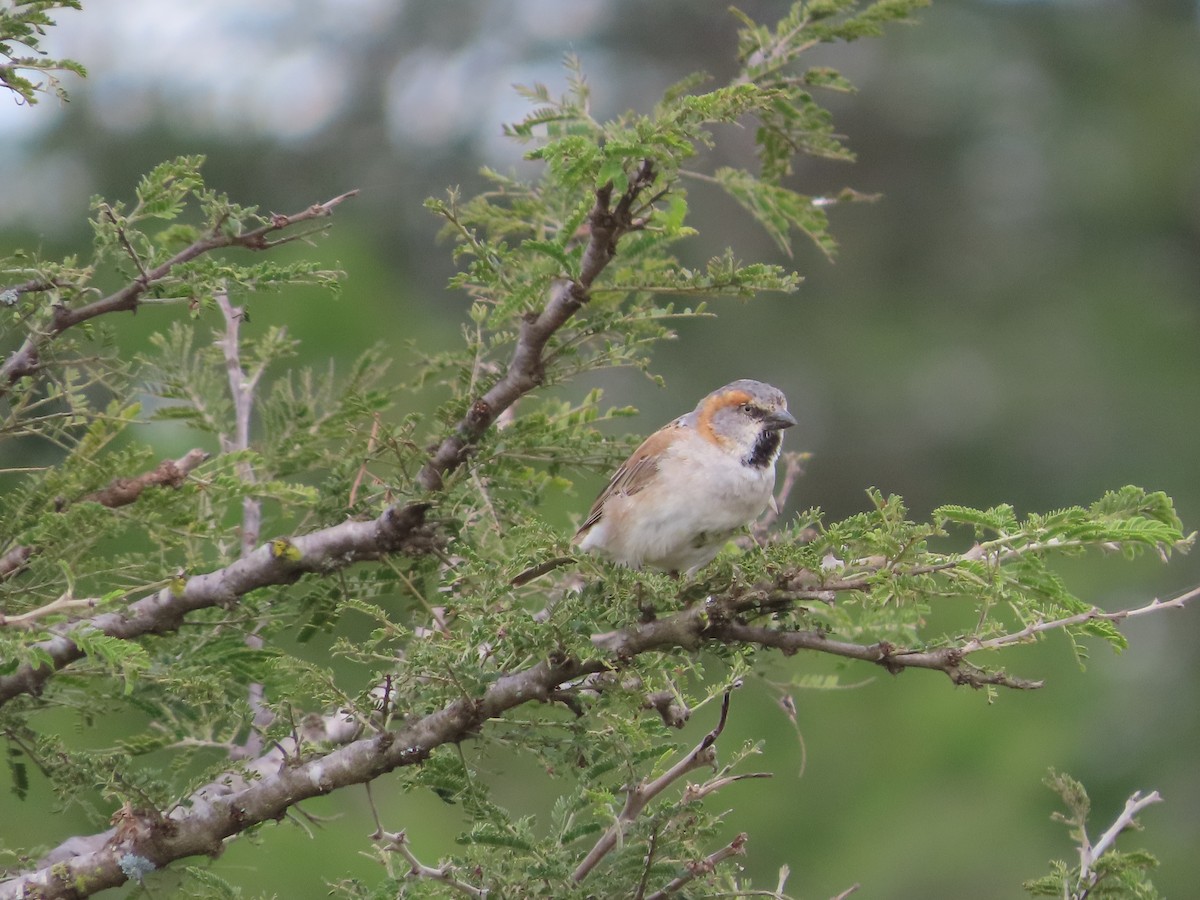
397, 842
168, 473
25, 360
895, 659
719, 619
280, 561
639, 796
283, 560
241, 392
1091, 615
736, 847
526, 369
273, 783
267, 787
1088, 855
14, 561
119, 492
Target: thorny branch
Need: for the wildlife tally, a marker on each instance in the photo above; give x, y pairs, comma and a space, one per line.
397, 842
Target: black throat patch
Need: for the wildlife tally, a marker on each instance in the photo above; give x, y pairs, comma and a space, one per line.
765, 449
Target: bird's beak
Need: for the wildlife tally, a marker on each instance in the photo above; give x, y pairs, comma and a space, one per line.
779, 420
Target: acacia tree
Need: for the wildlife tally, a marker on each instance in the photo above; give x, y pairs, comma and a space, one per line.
178, 594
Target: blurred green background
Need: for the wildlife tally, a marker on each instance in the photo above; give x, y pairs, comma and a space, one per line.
1016, 320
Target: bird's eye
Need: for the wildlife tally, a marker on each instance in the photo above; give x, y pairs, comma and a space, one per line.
752, 411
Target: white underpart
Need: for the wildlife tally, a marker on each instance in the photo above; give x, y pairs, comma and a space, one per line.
700, 496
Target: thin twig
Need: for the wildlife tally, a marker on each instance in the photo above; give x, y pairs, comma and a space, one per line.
62, 604
651, 849
397, 842
793, 469
124, 238
117, 493
242, 386
1090, 615
695, 870
639, 796
362, 470
1088, 855
700, 791
168, 473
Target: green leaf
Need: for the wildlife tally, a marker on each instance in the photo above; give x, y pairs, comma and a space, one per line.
778, 210
163, 191
998, 519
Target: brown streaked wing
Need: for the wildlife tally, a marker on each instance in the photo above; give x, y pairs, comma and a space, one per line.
632, 475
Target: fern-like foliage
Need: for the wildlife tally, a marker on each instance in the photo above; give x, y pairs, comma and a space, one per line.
22, 26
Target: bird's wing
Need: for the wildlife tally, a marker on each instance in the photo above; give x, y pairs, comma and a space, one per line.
633, 475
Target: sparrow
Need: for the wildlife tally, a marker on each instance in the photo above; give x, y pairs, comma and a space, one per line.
692, 484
